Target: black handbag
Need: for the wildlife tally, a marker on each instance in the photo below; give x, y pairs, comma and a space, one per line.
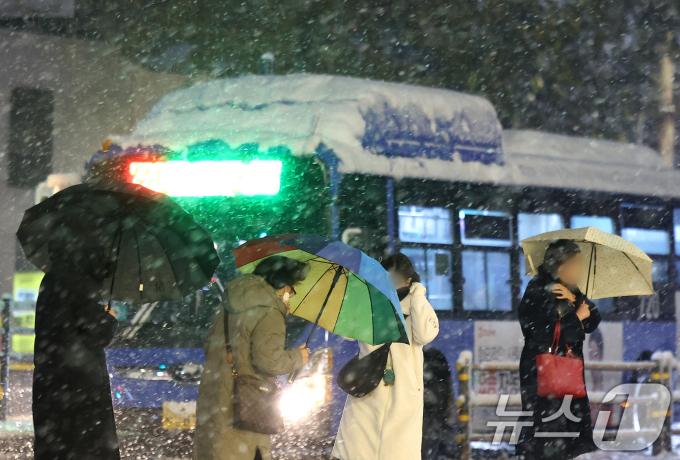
255, 402
360, 376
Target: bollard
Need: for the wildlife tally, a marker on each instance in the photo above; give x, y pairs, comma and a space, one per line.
662, 374
464, 370
4, 363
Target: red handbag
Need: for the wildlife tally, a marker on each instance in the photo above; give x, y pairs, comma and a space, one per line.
559, 376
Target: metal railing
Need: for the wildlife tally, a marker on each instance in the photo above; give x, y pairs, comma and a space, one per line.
660, 370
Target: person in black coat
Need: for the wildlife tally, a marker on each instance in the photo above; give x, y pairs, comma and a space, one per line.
437, 397
72, 407
552, 296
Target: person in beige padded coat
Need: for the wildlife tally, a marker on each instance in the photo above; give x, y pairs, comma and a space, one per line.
257, 307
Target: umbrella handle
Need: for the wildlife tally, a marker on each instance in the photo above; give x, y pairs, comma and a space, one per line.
293, 376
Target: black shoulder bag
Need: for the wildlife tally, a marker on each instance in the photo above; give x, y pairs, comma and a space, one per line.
254, 401
360, 376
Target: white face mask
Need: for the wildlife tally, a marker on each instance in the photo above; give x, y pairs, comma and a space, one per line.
286, 297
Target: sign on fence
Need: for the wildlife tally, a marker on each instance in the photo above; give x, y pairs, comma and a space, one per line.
494, 341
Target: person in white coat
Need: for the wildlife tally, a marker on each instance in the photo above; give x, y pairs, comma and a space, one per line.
387, 423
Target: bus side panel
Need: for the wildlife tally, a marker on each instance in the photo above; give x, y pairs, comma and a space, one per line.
141, 393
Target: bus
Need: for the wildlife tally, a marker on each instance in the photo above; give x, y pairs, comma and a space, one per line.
386, 167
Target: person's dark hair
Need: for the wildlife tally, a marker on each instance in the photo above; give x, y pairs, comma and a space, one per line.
402, 265
557, 253
645, 355
280, 271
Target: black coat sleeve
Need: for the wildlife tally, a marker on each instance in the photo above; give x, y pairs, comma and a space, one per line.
94, 325
591, 322
537, 315
571, 328
540, 309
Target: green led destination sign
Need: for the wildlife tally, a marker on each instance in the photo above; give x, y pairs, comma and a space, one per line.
209, 178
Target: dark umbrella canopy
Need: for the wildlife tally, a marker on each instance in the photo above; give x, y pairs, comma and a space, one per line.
146, 245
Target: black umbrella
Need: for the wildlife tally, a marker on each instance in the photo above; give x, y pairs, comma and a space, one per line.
157, 250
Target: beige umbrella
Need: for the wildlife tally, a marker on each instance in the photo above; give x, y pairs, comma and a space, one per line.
616, 267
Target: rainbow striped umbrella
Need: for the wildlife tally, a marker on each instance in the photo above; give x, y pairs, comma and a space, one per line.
346, 292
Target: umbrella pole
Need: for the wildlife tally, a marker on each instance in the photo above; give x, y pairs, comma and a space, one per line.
338, 272
336, 277
594, 266
590, 268
139, 265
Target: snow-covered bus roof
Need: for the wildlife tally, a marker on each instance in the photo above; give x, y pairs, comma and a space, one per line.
553, 160
396, 130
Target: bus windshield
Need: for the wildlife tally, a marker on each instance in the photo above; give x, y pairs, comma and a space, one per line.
180, 324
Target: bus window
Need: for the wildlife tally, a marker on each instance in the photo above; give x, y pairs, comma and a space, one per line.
434, 268
485, 228
606, 224
486, 280
529, 225
660, 272
425, 225
642, 226
174, 324
487, 237
431, 227
532, 224
646, 226
652, 241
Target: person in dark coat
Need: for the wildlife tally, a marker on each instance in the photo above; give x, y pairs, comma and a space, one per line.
552, 296
72, 407
438, 402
